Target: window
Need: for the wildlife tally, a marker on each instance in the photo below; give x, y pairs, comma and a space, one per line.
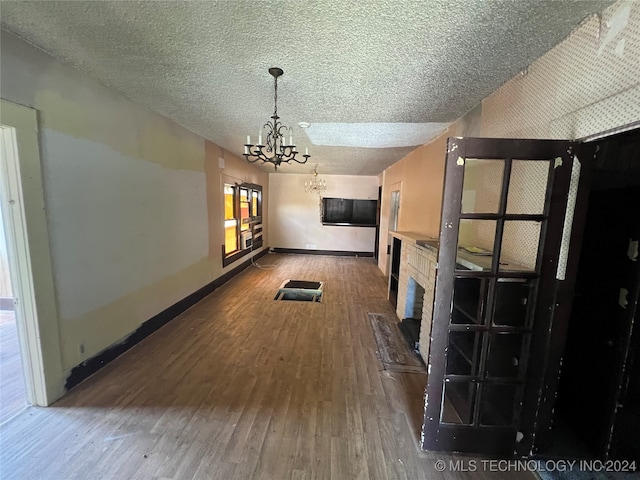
245, 210
242, 220
230, 220
256, 199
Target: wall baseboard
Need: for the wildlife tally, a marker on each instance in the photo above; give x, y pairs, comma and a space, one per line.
90, 366
337, 253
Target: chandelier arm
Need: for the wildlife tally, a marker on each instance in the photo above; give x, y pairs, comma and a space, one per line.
246, 156
279, 158
277, 129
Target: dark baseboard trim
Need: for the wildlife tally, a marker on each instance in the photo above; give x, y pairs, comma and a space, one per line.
337, 253
6, 303
92, 365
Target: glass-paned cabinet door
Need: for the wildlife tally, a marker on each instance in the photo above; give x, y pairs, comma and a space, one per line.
498, 222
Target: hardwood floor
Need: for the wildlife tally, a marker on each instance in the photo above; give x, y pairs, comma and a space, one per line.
13, 396
243, 387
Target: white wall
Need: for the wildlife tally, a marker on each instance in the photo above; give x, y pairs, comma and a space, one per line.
133, 201
111, 195
100, 217
294, 215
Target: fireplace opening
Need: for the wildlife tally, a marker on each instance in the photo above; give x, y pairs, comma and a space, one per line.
410, 324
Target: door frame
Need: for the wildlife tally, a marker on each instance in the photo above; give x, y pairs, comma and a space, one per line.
617, 384
20, 267
376, 246
394, 214
28, 246
548, 349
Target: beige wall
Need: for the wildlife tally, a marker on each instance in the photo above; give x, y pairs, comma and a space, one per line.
588, 84
223, 167
133, 201
295, 214
419, 177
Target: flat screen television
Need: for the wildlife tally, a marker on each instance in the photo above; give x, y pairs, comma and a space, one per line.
349, 212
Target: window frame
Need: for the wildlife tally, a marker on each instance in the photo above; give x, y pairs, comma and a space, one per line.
228, 219
252, 222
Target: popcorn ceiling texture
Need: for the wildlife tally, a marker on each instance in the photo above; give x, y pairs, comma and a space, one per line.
204, 64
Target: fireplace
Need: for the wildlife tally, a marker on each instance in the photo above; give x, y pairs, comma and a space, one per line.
412, 318
415, 267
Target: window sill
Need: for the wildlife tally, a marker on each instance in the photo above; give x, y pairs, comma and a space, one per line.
228, 259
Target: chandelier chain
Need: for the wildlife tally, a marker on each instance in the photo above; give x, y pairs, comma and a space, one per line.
275, 97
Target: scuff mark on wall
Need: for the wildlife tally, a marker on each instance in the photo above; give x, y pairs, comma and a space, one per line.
616, 24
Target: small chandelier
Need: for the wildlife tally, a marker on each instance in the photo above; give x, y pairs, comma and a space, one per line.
314, 185
276, 149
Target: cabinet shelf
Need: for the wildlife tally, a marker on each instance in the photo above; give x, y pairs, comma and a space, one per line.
463, 353
473, 318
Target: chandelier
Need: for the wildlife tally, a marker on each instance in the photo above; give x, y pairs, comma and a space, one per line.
314, 185
276, 149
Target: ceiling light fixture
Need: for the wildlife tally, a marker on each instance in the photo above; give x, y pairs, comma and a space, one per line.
276, 149
315, 185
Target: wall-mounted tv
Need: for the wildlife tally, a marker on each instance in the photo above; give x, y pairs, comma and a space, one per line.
349, 212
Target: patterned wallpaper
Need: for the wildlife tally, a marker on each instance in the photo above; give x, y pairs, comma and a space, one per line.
481, 194
587, 84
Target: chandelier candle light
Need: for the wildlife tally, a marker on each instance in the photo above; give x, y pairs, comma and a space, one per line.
275, 150
314, 185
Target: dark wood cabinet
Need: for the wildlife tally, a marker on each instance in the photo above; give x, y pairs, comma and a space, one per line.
394, 274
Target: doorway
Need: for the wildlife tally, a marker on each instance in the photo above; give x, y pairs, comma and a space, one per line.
21, 378
376, 247
597, 412
28, 245
13, 395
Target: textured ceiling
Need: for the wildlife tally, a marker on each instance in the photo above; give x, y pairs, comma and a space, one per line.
346, 64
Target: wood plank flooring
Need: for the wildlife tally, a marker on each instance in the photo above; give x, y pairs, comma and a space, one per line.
243, 387
13, 396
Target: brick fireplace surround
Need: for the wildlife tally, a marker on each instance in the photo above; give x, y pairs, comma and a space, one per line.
417, 263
